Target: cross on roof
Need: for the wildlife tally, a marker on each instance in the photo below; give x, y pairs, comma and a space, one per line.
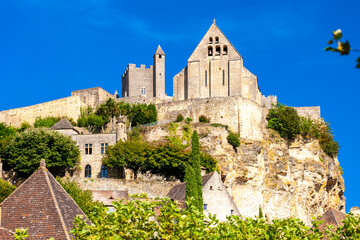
214, 20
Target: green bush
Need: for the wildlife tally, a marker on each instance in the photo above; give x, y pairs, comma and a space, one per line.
233, 139
5, 189
179, 118
219, 125
188, 120
204, 119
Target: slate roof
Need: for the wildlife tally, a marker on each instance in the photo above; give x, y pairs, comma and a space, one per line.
159, 51
108, 196
41, 205
63, 124
178, 192
331, 217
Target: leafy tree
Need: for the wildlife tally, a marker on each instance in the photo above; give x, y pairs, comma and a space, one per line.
24, 151
233, 139
204, 119
46, 122
83, 198
6, 131
108, 110
342, 47
5, 189
193, 174
130, 154
90, 120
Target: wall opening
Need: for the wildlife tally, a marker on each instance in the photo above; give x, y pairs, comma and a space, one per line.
88, 171
216, 39
210, 40
210, 51
225, 50
103, 172
205, 78
223, 77
217, 51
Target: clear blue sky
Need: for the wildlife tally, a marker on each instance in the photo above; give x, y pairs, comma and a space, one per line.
50, 48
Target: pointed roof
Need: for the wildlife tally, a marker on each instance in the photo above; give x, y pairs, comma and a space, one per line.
159, 51
63, 124
331, 217
41, 205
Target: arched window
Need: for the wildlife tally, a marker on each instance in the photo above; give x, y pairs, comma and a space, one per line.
210, 51
104, 172
216, 39
225, 50
210, 40
88, 171
217, 51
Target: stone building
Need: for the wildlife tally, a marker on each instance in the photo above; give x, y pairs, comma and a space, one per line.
92, 147
145, 82
215, 69
41, 205
216, 198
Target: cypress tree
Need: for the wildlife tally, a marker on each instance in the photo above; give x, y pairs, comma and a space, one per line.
193, 173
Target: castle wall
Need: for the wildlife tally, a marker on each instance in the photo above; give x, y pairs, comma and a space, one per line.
64, 107
312, 112
92, 96
134, 79
241, 115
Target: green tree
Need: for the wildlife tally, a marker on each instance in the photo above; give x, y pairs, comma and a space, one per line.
5, 189
46, 122
24, 151
233, 139
193, 174
90, 120
108, 110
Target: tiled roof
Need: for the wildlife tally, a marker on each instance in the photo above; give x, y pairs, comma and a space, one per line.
6, 234
108, 196
63, 124
41, 205
331, 217
178, 192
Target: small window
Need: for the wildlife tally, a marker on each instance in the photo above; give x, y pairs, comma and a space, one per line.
205, 206
88, 149
205, 78
223, 72
143, 91
88, 171
159, 56
104, 147
210, 40
103, 171
216, 39
217, 51
211, 188
210, 51
232, 212
225, 50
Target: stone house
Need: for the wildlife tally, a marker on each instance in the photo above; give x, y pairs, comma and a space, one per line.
216, 198
109, 196
41, 205
92, 147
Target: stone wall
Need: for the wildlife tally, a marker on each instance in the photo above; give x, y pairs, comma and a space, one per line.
92, 96
134, 79
243, 116
63, 107
312, 112
153, 189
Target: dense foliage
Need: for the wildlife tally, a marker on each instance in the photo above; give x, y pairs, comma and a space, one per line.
179, 118
162, 219
289, 124
204, 119
23, 151
193, 174
5, 189
165, 159
90, 120
49, 121
83, 198
233, 139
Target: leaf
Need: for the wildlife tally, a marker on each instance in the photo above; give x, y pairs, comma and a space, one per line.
330, 41
337, 34
358, 63
343, 48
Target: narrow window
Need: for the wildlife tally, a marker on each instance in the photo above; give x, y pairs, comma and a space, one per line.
88, 149
210, 40
143, 91
216, 39
103, 172
210, 51
159, 56
211, 188
217, 51
103, 147
223, 77
88, 171
205, 78
232, 212
225, 50
205, 206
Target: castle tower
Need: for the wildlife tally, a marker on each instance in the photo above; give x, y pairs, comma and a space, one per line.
159, 73
121, 129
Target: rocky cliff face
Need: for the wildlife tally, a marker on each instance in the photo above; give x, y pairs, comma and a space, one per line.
284, 179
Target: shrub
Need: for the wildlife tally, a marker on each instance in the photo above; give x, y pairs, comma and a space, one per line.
219, 125
179, 118
188, 120
233, 139
5, 189
204, 119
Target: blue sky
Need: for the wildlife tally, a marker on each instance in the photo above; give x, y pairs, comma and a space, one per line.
50, 48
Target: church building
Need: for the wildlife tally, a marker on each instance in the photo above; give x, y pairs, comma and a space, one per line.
215, 69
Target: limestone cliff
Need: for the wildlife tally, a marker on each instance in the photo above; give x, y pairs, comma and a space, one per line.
284, 179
